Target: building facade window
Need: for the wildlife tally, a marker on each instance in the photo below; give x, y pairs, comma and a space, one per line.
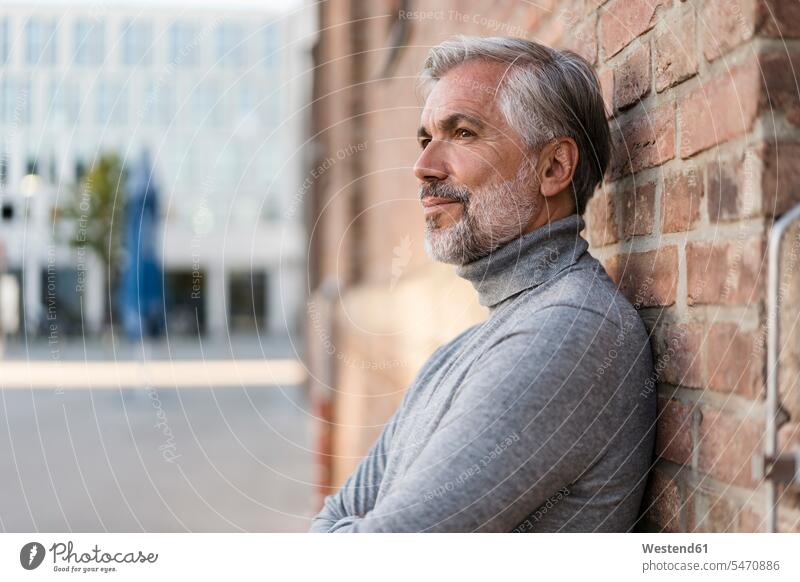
41, 38
8, 100
272, 48
112, 103
205, 106
184, 44
230, 44
89, 41
248, 99
4, 163
5, 40
15, 101
166, 104
65, 104
137, 41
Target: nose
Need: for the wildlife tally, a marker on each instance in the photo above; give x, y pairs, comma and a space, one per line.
430, 166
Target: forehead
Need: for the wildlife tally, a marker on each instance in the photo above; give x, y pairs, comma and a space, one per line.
471, 88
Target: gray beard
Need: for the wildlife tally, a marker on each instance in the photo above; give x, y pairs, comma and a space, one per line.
491, 217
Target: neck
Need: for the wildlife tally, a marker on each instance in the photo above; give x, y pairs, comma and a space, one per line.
527, 261
551, 211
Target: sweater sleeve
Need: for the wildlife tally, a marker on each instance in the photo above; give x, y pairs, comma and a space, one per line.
357, 495
528, 419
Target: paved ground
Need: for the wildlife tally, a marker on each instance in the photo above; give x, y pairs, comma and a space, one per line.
155, 458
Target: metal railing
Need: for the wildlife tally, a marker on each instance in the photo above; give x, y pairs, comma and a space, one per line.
774, 467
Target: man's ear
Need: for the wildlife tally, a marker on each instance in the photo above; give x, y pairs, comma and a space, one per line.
556, 165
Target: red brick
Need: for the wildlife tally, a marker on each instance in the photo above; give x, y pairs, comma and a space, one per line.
720, 514
638, 210
726, 25
643, 141
789, 441
727, 192
726, 446
788, 517
592, 5
780, 18
724, 272
623, 20
662, 502
681, 198
647, 279
679, 354
674, 52
719, 110
606, 78
583, 35
788, 437
735, 361
779, 95
780, 176
601, 219
674, 431
632, 79
536, 15
537, 12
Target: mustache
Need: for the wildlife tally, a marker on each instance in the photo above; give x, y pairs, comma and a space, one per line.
445, 190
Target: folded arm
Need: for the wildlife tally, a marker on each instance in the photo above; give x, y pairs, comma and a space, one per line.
357, 496
526, 422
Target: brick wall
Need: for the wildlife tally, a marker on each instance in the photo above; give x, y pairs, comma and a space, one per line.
704, 109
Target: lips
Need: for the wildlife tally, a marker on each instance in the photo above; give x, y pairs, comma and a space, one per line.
434, 205
432, 201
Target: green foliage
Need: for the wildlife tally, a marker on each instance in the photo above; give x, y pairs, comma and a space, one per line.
97, 209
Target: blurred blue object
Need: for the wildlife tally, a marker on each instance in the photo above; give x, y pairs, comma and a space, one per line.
141, 289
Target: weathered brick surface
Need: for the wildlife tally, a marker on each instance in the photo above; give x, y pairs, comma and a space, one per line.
638, 209
779, 96
727, 445
663, 502
632, 77
602, 219
674, 52
681, 199
727, 24
674, 434
647, 279
606, 77
623, 20
780, 174
706, 122
680, 354
725, 272
717, 513
735, 360
779, 18
643, 140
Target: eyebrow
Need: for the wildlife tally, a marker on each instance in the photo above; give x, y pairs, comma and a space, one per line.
450, 122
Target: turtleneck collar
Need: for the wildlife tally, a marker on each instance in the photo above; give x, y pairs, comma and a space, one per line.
527, 261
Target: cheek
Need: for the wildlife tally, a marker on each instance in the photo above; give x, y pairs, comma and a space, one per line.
473, 168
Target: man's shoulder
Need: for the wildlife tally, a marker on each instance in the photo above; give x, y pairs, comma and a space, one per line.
583, 294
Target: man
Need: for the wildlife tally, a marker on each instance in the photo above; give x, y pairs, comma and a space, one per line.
540, 418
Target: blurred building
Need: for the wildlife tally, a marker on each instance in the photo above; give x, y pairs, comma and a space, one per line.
681, 223
216, 97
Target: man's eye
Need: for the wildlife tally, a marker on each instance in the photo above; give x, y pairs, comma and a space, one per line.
424, 142
463, 132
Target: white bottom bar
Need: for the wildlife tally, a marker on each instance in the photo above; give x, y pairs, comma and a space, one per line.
404, 557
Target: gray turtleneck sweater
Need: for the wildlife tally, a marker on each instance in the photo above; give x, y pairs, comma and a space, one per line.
539, 419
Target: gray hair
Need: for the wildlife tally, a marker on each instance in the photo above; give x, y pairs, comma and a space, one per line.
544, 94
